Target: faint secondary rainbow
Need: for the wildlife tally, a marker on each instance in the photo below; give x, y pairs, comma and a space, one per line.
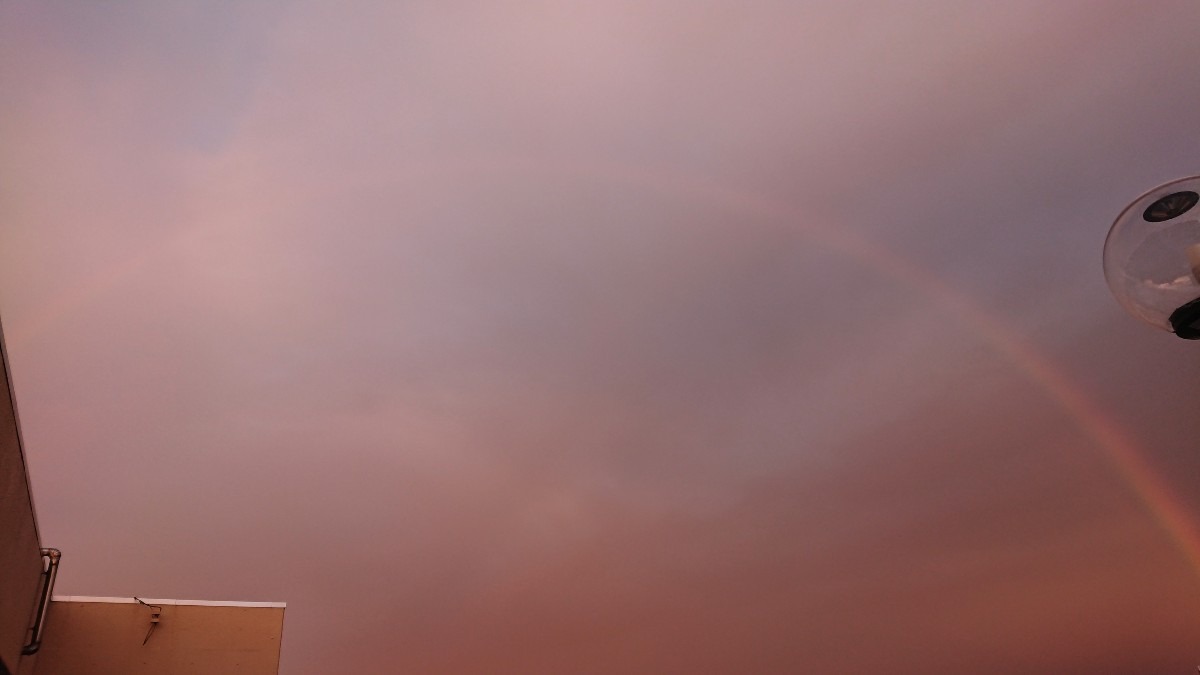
110, 277
1119, 448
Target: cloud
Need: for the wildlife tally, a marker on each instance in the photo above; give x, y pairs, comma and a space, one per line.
536, 339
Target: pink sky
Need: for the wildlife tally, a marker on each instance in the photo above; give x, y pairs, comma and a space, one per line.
607, 338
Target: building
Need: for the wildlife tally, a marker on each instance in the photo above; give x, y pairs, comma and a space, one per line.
45, 635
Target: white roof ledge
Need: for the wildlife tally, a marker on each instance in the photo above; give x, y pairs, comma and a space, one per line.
162, 601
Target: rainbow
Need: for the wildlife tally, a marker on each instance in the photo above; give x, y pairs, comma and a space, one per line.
1119, 449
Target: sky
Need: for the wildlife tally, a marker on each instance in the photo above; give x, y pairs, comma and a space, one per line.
610, 337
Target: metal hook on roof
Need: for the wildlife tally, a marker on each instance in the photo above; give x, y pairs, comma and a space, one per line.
155, 615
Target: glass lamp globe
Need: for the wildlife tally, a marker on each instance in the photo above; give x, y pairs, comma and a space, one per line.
1152, 257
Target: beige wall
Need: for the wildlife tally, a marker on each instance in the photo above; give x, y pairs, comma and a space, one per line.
105, 638
20, 551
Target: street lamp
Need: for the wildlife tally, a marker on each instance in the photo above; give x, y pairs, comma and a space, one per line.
1152, 257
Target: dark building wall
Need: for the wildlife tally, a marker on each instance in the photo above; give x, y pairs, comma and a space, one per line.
20, 551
